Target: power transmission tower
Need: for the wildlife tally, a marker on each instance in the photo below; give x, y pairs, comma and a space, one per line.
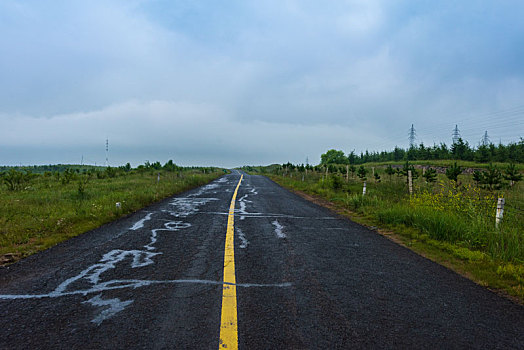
412, 136
485, 139
107, 152
307, 160
456, 134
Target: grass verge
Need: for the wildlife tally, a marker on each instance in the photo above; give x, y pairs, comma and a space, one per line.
47, 210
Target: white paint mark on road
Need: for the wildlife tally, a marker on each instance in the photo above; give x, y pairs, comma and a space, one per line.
243, 240
270, 215
139, 224
170, 226
278, 229
185, 206
109, 260
111, 307
242, 210
122, 284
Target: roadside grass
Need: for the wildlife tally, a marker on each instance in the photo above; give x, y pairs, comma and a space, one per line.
47, 211
448, 223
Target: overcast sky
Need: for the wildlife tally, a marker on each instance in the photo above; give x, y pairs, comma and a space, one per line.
230, 83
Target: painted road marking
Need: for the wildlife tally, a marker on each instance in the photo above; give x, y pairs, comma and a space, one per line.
228, 319
134, 284
278, 229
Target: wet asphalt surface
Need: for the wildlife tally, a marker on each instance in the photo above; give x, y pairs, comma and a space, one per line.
307, 279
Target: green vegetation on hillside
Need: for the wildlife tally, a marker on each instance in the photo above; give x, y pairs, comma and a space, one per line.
40, 210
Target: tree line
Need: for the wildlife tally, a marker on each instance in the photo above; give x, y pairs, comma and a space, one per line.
459, 150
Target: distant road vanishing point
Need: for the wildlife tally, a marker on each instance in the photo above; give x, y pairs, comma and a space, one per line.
243, 263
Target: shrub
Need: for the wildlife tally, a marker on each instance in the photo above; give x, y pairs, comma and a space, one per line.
15, 180
491, 179
67, 176
336, 182
512, 174
430, 175
453, 172
362, 172
110, 172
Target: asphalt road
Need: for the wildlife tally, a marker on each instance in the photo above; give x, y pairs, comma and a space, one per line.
305, 279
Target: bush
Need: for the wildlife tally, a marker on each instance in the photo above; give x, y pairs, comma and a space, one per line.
453, 172
67, 176
362, 172
15, 180
110, 172
336, 182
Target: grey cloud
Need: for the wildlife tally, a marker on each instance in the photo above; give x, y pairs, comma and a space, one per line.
251, 82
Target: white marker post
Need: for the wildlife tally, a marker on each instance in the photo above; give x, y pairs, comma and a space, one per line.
500, 211
347, 173
364, 189
410, 182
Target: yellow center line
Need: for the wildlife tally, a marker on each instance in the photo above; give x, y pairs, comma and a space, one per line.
228, 319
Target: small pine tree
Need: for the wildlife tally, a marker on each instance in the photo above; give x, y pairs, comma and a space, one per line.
377, 176
453, 172
430, 175
512, 174
492, 178
362, 172
352, 168
336, 182
389, 171
478, 177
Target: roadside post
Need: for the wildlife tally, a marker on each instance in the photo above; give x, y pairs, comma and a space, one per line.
410, 182
500, 211
364, 189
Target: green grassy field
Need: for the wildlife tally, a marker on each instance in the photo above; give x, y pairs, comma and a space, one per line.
47, 209
452, 223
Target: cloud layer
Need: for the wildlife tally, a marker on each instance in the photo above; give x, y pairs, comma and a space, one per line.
252, 82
